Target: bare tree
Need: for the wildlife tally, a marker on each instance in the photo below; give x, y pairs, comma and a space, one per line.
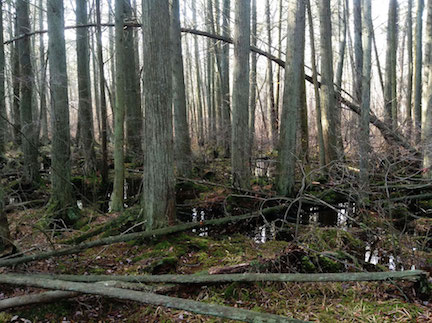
293, 98
158, 199
240, 110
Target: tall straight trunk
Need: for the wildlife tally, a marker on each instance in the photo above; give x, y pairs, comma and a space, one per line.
304, 124
279, 68
111, 50
225, 76
96, 86
240, 158
133, 92
293, 97
16, 115
200, 106
339, 72
182, 145
102, 98
358, 50
28, 124
418, 61
328, 102
253, 79
120, 106
85, 112
61, 195
3, 116
211, 77
215, 23
318, 113
158, 200
274, 118
409, 27
390, 94
42, 78
364, 141
427, 121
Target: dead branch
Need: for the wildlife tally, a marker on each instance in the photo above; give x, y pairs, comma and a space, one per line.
147, 298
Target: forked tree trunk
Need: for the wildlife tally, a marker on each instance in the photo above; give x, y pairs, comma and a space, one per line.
328, 100
293, 98
158, 199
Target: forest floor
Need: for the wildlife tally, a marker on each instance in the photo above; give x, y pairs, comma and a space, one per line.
324, 240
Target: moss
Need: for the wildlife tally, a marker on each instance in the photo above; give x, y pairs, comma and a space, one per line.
307, 265
330, 265
426, 204
53, 312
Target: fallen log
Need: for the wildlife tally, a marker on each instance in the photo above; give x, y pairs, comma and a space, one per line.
136, 235
147, 298
41, 298
53, 296
246, 277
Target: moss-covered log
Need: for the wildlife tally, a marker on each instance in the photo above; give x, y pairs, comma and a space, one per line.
147, 298
134, 236
247, 277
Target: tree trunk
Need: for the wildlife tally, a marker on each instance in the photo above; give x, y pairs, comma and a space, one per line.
122, 61
133, 109
328, 101
274, 118
390, 95
199, 106
253, 81
85, 110
316, 90
61, 195
102, 100
240, 134
3, 116
410, 69
158, 200
293, 98
225, 83
182, 145
427, 121
15, 101
28, 126
364, 142
358, 50
418, 58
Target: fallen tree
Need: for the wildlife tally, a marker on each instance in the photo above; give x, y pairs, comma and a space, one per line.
246, 277
147, 298
137, 235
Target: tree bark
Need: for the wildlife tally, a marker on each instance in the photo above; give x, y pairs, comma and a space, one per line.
158, 200
328, 101
427, 116
274, 117
364, 142
61, 196
29, 140
182, 145
240, 135
120, 106
253, 80
225, 80
409, 27
293, 98
85, 112
42, 78
418, 62
3, 116
390, 94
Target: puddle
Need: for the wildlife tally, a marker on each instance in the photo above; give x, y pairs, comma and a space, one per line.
382, 257
341, 216
199, 216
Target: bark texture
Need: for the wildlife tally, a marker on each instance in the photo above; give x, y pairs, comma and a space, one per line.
158, 200
240, 135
